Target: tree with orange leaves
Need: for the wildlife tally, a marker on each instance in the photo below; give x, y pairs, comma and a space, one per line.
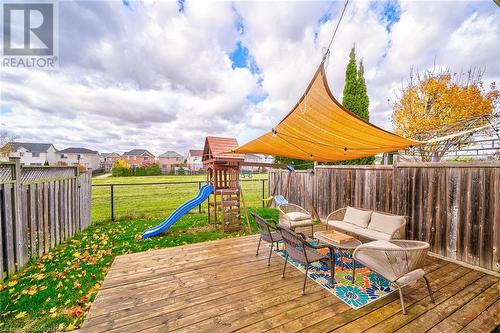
439, 103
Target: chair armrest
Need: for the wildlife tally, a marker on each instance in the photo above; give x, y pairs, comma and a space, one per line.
336, 215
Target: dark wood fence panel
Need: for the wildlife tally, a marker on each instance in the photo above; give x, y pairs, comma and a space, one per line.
34, 211
453, 206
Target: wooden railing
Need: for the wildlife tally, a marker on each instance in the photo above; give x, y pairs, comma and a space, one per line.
453, 206
40, 208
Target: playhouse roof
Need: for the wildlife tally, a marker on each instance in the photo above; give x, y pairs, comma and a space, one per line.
219, 148
319, 128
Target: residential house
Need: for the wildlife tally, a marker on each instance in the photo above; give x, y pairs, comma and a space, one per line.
31, 153
169, 160
139, 158
79, 156
107, 160
257, 158
193, 160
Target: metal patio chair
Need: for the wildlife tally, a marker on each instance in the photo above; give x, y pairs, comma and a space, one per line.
301, 251
268, 234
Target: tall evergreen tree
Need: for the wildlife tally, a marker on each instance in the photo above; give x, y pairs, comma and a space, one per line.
355, 98
362, 107
362, 95
349, 98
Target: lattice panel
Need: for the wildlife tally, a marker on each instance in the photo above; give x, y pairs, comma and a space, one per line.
33, 174
6, 172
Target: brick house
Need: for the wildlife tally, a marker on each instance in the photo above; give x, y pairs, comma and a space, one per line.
138, 158
107, 160
169, 160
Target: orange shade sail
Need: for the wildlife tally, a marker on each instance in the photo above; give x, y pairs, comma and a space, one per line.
320, 129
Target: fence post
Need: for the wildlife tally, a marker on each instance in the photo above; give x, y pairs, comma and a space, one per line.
19, 231
112, 203
263, 193
199, 188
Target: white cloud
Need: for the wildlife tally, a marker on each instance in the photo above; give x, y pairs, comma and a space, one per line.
151, 77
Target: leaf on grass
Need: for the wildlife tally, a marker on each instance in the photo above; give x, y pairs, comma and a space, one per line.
52, 310
77, 285
70, 327
12, 283
76, 311
21, 314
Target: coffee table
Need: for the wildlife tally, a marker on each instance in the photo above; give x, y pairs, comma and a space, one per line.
335, 246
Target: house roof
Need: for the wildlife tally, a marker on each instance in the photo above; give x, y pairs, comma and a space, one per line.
31, 146
138, 152
77, 150
196, 152
220, 148
171, 154
109, 154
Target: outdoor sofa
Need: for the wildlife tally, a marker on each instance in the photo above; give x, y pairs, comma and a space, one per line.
368, 224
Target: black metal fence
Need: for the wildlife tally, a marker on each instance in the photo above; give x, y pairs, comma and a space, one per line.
155, 199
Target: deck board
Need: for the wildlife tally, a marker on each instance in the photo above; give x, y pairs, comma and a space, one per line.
221, 286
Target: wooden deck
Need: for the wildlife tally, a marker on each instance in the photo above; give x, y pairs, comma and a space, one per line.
222, 286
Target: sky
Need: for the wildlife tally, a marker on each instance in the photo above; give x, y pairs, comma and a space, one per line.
163, 75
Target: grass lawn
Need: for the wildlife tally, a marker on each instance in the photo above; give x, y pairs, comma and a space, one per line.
157, 201
55, 292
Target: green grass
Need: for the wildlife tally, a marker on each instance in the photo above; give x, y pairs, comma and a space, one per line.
55, 292
156, 201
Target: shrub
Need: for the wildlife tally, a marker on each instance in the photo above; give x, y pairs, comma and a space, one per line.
181, 171
120, 169
140, 171
153, 170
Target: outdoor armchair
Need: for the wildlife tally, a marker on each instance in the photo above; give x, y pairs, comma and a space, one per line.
301, 251
268, 234
293, 216
399, 261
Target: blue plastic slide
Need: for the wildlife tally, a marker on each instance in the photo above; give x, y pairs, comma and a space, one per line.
203, 195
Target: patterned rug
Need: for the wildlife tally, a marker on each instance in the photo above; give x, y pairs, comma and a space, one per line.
368, 286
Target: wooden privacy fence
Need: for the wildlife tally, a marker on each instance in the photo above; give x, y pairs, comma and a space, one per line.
453, 206
40, 208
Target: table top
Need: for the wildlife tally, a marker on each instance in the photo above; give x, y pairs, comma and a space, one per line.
350, 245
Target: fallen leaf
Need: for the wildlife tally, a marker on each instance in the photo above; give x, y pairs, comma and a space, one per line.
76, 311
12, 283
21, 315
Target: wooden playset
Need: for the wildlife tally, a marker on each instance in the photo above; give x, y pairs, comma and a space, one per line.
223, 172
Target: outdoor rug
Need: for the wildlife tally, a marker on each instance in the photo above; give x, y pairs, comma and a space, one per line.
368, 286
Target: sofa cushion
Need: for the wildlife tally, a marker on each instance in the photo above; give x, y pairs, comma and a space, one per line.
344, 226
358, 217
298, 216
373, 234
387, 224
